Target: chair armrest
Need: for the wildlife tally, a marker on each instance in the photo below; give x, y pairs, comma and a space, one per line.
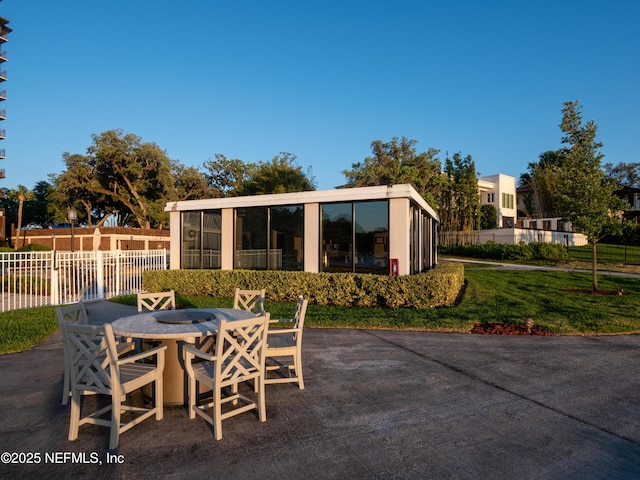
125, 347
281, 320
195, 351
140, 356
278, 331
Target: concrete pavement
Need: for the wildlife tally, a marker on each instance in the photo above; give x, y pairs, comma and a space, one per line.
377, 404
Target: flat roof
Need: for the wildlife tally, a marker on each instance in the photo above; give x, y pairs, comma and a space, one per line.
315, 196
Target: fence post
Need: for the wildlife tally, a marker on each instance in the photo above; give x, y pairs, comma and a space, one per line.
55, 297
117, 263
100, 274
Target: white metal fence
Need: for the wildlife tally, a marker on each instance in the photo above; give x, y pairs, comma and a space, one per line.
33, 279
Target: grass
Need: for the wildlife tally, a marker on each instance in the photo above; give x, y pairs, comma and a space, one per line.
490, 296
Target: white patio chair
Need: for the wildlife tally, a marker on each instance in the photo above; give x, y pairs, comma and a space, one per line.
286, 343
94, 367
238, 358
77, 314
156, 301
249, 300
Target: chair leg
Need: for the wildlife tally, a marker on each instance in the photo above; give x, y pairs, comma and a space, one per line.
297, 360
217, 413
65, 388
262, 409
159, 398
74, 422
115, 420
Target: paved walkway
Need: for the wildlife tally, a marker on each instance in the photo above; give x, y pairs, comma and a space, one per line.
377, 404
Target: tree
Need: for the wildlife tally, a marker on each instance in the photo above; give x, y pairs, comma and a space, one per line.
397, 162
281, 175
37, 211
21, 194
224, 175
541, 178
625, 174
136, 176
586, 197
488, 217
459, 201
78, 187
191, 183
236, 178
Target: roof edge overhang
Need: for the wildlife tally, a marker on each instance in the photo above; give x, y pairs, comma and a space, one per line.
317, 196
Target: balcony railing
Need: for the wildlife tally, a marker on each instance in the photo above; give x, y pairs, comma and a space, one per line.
3, 75
3, 114
3, 95
3, 134
1, 152
2, 173
3, 55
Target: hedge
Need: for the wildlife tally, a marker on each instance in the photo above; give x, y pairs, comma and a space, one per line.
435, 288
503, 251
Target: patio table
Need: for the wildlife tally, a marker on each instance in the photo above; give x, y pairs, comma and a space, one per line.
171, 327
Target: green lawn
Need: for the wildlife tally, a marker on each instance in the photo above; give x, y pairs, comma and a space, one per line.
490, 296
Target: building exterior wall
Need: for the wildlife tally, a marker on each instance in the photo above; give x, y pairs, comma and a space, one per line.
400, 200
226, 252
84, 238
399, 233
513, 236
500, 190
311, 237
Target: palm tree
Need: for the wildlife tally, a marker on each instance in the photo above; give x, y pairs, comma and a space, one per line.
21, 194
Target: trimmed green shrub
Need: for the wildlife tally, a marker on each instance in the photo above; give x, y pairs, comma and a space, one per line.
502, 251
435, 288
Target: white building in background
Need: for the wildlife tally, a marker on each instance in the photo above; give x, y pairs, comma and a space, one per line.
500, 191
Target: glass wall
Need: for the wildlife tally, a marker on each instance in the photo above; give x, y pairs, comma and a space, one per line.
251, 238
372, 237
286, 234
276, 230
337, 237
355, 237
422, 246
201, 239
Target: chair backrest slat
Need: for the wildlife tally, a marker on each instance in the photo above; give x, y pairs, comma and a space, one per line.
249, 300
156, 301
240, 349
75, 313
92, 359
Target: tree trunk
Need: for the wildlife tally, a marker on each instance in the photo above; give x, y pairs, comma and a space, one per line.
21, 199
594, 267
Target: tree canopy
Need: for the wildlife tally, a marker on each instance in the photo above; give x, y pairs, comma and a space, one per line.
585, 196
398, 162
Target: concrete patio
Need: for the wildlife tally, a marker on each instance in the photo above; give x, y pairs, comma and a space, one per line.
377, 404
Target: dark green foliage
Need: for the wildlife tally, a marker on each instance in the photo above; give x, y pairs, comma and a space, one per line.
34, 247
501, 251
435, 288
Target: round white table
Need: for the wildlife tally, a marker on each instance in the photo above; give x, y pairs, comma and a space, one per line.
170, 327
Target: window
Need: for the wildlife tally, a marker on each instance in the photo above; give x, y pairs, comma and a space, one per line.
507, 200
355, 237
251, 238
372, 237
201, 239
337, 237
287, 234
269, 238
490, 197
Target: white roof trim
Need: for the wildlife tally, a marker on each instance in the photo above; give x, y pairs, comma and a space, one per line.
319, 196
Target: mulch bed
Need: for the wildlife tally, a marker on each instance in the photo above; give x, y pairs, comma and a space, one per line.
490, 328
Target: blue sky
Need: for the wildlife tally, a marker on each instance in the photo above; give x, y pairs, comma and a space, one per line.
321, 80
